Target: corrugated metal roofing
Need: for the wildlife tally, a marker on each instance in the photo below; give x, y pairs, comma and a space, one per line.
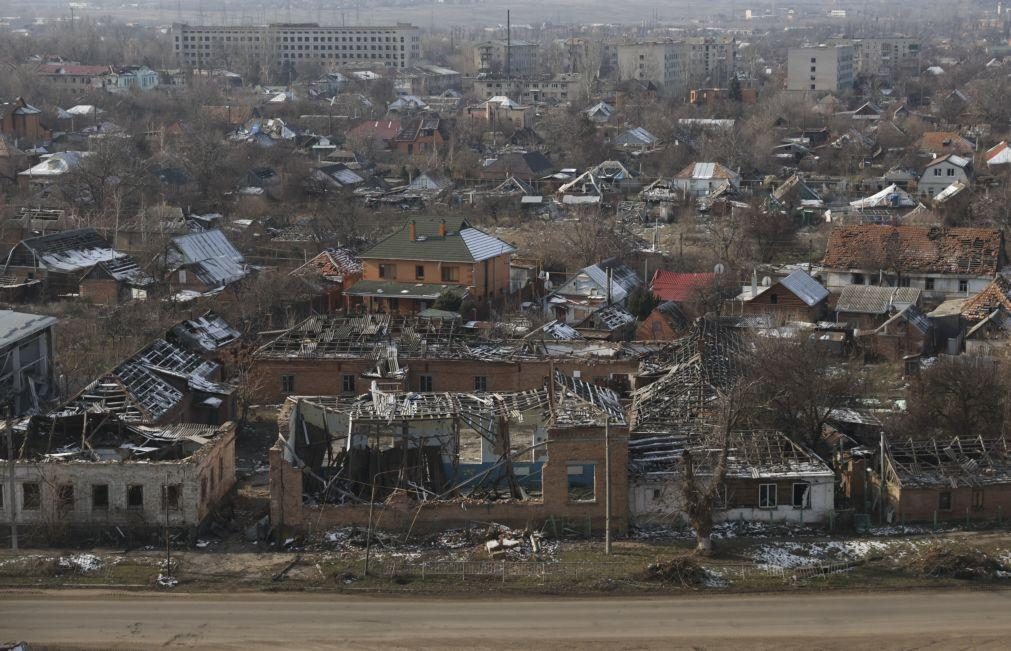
870, 299
217, 262
15, 326
703, 170
805, 287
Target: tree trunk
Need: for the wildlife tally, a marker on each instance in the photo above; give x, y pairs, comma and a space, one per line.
704, 544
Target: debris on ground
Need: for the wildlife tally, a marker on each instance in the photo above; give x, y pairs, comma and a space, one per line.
726, 530
494, 540
679, 570
79, 563
949, 561
166, 581
801, 554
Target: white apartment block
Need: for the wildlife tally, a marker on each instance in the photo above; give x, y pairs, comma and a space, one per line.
712, 62
397, 46
665, 63
817, 68
883, 56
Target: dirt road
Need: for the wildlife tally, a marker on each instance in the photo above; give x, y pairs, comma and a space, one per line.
93, 619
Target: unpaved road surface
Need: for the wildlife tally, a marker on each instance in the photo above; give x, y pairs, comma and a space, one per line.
78, 619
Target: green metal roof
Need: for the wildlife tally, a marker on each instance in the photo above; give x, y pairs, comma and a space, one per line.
393, 289
462, 243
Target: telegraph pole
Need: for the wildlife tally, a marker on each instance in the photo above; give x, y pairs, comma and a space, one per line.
607, 485
11, 498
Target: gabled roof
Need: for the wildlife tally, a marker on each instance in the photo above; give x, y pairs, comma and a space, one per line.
891, 197
704, 171
995, 295
977, 251
216, 261
68, 251
461, 243
56, 164
957, 161
332, 264
527, 163
681, 287
637, 137
592, 281
805, 287
16, 326
999, 154
872, 299
378, 129
936, 142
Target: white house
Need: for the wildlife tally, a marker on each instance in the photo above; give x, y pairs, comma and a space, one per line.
942, 172
700, 179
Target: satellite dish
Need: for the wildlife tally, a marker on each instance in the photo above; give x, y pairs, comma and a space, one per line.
719, 268
766, 282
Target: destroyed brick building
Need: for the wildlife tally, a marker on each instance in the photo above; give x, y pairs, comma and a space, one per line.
83, 473
28, 378
336, 355
964, 478
438, 460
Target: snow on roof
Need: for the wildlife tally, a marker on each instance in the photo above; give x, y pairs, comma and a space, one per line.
891, 197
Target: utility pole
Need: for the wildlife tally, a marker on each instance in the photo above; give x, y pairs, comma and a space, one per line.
168, 544
509, 46
11, 498
607, 485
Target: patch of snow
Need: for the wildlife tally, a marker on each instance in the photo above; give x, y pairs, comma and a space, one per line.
83, 563
166, 581
794, 554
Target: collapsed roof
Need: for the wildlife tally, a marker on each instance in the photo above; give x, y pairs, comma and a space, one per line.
978, 251
950, 464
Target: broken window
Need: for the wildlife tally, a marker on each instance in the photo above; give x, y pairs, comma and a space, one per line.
480, 383
944, 501
425, 383
977, 499
802, 495
135, 496
963, 286
31, 496
65, 497
767, 496
581, 482
928, 283
858, 279
348, 384
100, 497
287, 384
173, 493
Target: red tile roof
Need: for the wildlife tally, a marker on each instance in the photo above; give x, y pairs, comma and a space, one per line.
977, 251
681, 287
945, 142
78, 70
378, 129
996, 295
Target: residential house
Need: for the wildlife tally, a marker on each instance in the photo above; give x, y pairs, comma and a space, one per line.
330, 273
943, 172
502, 112
998, 157
162, 383
666, 322
591, 288
419, 136
599, 113
52, 167
907, 334
942, 143
74, 76
22, 122
865, 307
102, 474
940, 261
700, 179
202, 263
78, 263
379, 132
636, 140
684, 288
609, 177
26, 344
526, 166
768, 479
410, 269
929, 479
797, 297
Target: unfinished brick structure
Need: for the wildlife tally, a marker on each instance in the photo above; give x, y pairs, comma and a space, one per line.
136, 479
337, 356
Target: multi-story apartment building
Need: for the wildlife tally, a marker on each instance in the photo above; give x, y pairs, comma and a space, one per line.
665, 63
882, 56
515, 58
393, 46
820, 68
711, 61
561, 88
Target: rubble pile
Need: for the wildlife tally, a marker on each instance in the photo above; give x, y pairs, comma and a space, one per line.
493, 541
948, 561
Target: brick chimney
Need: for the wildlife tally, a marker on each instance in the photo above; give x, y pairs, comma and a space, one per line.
412, 231
442, 228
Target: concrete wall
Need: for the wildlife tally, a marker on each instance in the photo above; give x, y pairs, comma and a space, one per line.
832, 68
200, 491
